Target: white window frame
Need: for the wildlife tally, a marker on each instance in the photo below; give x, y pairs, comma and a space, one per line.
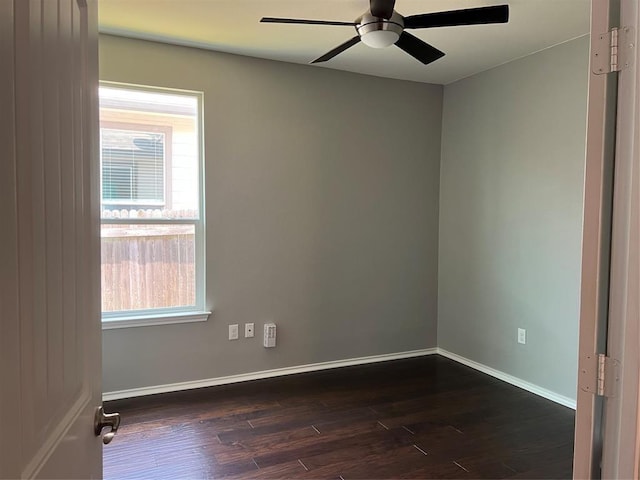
161, 316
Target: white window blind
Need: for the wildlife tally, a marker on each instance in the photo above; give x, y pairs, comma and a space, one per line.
133, 167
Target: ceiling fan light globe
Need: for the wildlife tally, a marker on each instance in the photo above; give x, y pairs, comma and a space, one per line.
380, 38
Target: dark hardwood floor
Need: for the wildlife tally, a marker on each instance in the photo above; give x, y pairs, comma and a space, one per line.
427, 417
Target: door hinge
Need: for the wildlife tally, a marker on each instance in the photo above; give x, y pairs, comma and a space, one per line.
612, 51
599, 375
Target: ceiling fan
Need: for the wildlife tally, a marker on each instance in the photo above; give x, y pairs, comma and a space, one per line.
381, 26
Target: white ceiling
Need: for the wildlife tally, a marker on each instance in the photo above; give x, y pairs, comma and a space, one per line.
233, 26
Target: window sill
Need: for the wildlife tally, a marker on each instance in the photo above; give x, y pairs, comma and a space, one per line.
157, 319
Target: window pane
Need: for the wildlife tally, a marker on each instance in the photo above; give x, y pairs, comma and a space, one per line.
133, 164
148, 266
150, 153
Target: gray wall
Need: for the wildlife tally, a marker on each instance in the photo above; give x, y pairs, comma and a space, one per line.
322, 215
511, 190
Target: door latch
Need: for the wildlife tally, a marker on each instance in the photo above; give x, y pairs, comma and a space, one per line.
103, 420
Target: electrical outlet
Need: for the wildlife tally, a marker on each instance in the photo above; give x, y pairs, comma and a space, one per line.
233, 332
522, 336
248, 330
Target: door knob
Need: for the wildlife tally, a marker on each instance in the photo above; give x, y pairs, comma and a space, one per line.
103, 420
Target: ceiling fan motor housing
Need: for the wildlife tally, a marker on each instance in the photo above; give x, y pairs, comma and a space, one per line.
379, 32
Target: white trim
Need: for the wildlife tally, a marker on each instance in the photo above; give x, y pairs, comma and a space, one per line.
621, 423
109, 323
278, 372
505, 377
127, 320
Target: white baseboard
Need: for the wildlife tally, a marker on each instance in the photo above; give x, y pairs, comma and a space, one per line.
278, 372
505, 377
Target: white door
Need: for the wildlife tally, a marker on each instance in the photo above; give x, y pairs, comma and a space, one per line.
50, 352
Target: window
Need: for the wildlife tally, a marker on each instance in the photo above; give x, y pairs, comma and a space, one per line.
151, 210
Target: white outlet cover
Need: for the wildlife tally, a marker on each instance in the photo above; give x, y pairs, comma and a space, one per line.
249, 330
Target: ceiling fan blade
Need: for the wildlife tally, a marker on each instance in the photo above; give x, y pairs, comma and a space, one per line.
337, 50
469, 16
382, 8
418, 49
304, 22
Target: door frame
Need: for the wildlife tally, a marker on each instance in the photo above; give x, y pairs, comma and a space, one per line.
607, 436
621, 433
594, 289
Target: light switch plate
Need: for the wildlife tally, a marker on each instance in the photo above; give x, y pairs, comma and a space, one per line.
522, 336
233, 331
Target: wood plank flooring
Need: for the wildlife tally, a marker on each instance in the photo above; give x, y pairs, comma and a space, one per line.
427, 417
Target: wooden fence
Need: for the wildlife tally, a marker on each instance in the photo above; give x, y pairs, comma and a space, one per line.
147, 266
